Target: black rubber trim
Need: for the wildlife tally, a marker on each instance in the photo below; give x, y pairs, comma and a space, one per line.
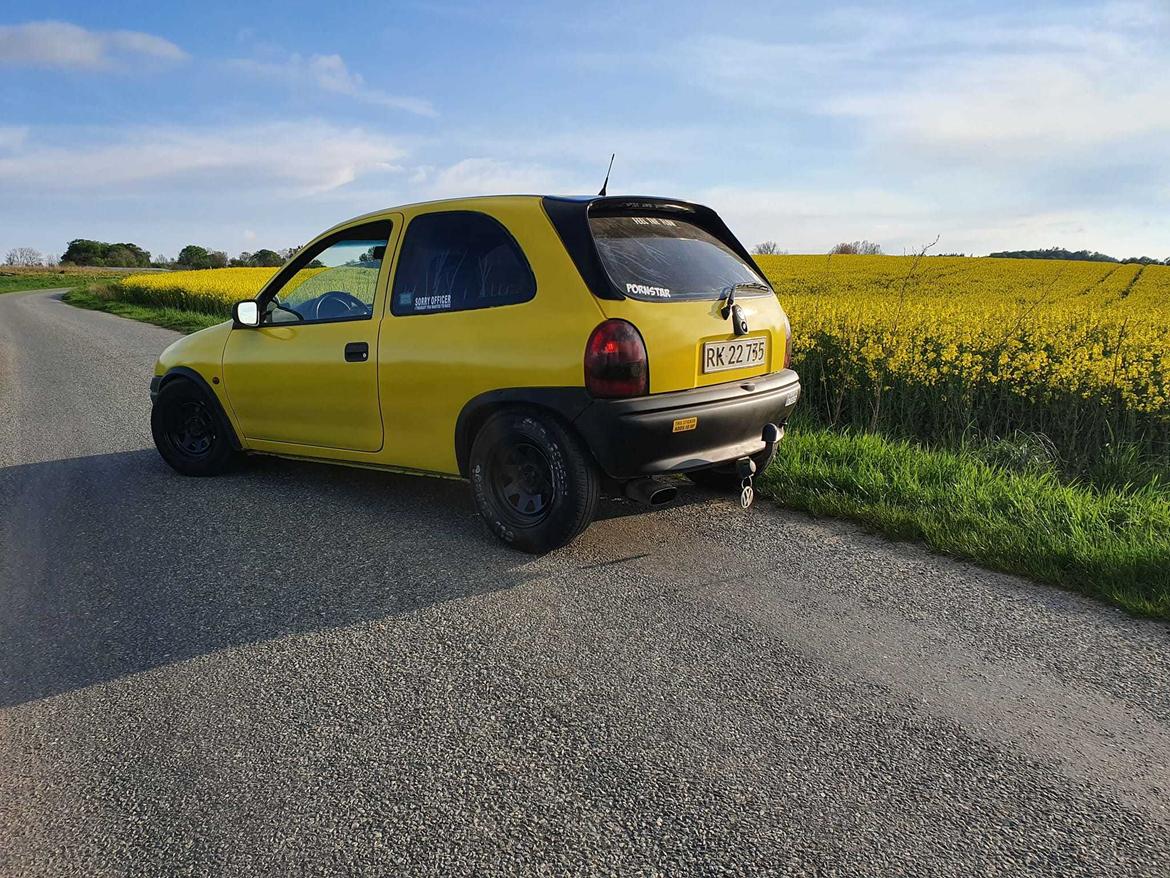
635, 437
201, 382
570, 218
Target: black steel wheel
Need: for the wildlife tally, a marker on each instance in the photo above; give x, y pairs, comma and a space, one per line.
189, 431
522, 482
534, 482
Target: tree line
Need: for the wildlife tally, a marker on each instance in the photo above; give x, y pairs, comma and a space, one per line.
868, 248
1076, 255
102, 254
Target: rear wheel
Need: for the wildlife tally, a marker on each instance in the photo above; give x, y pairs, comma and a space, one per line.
189, 432
534, 482
725, 478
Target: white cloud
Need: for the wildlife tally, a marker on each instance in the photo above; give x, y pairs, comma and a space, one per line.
330, 73
301, 158
488, 176
813, 220
59, 44
1034, 106
984, 87
13, 136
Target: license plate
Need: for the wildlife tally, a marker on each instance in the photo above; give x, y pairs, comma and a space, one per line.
742, 353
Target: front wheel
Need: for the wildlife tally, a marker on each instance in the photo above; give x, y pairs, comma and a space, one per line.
189, 431
534, 482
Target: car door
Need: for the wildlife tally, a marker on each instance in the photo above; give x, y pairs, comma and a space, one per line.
308, 376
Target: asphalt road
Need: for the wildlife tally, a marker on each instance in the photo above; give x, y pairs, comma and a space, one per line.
303, 669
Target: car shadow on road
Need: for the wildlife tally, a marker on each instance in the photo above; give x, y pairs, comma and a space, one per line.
113, 564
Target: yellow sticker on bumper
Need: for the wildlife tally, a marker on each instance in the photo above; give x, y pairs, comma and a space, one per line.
684, 424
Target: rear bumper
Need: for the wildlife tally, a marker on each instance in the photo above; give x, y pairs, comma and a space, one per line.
637, 437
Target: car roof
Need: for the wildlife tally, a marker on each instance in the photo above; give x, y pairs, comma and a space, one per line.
481, 201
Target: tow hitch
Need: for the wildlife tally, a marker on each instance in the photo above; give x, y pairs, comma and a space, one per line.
745, 468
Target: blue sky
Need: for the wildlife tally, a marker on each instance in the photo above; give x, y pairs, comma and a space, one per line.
243, 125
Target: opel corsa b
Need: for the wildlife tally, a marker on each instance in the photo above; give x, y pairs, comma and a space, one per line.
545, 348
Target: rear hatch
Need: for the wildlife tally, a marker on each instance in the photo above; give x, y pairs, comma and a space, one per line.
669, 268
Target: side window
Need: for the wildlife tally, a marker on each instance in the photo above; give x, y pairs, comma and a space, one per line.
457, 261
336, 279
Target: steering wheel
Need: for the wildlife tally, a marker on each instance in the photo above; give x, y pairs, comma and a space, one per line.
336, 303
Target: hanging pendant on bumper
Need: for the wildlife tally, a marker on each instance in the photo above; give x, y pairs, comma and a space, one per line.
745, 468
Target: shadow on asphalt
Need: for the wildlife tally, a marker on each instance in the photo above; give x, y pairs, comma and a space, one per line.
114, 564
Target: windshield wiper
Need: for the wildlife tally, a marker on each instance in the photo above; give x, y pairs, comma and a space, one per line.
728, 293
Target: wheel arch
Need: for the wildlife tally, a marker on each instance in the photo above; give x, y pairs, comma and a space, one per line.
565, 403
177, 373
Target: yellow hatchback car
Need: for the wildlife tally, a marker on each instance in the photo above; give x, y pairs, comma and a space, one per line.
545, 348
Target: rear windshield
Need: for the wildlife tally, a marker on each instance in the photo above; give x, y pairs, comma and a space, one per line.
655, 258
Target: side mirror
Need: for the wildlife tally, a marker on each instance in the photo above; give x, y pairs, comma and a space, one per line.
246, 313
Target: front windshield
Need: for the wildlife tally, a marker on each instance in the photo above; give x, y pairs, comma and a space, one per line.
656, 258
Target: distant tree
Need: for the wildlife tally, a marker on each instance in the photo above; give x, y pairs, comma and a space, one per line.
82, 251
193, 256
25, 257
289, 252
856, 248
766, 248
141, 256
119, 256
217, 259
265, 258
127, 256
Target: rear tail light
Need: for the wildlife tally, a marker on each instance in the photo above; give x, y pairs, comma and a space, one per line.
787, 343
615, 361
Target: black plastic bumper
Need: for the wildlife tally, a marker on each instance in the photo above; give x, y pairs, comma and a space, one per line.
652, 435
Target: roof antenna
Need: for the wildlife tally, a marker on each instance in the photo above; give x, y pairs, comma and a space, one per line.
607, 170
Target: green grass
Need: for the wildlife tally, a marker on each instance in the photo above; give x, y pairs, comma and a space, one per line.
97, 298
1113, 544
18, 281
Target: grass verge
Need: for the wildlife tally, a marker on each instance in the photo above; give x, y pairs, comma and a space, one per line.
96, 298
17, 280
1112, 544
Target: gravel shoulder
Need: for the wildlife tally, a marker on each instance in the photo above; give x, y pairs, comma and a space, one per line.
311, 669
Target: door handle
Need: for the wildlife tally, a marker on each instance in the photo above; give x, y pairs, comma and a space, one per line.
357, 352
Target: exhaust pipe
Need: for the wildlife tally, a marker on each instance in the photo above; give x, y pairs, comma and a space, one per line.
651, 492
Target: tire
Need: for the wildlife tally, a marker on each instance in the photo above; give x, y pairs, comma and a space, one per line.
534, 482
190, 431
724, 478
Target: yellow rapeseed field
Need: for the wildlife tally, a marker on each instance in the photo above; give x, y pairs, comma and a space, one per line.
938, 348
212, 291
